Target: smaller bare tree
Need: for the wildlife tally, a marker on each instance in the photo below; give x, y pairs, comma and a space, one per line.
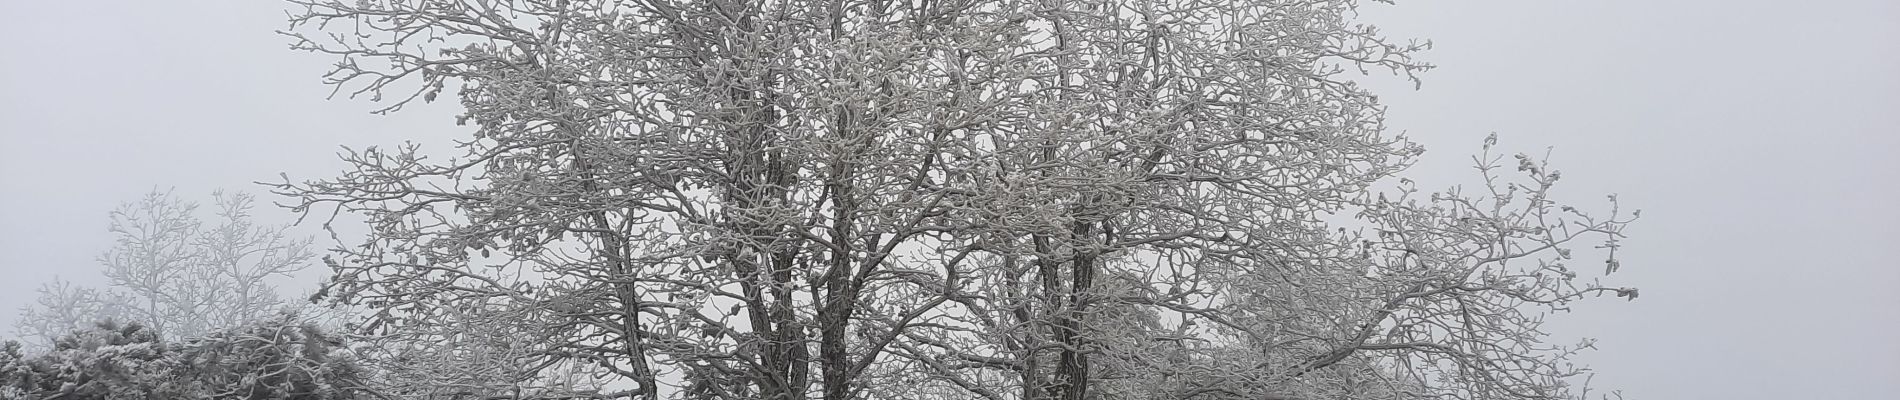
64, 307
169, 271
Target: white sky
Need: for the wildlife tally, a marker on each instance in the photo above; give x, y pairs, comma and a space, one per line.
1759, 138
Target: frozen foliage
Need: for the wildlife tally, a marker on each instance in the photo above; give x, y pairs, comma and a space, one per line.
109, 361
932, 199
177, 271
273, 360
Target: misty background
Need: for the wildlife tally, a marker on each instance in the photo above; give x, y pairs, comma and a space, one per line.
1759, 137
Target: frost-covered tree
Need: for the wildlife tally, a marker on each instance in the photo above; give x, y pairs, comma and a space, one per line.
1003, 199
177, 271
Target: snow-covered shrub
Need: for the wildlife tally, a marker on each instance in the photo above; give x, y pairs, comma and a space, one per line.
271, 360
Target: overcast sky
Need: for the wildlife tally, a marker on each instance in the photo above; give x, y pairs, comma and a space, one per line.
1761, 139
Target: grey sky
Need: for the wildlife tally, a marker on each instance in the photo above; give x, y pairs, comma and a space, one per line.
1759, 138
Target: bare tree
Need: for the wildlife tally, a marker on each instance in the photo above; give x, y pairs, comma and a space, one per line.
935, 199
62, 308
155, 263
240, 256
171, 273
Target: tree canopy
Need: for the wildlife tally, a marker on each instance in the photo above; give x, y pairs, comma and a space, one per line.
1001, 199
